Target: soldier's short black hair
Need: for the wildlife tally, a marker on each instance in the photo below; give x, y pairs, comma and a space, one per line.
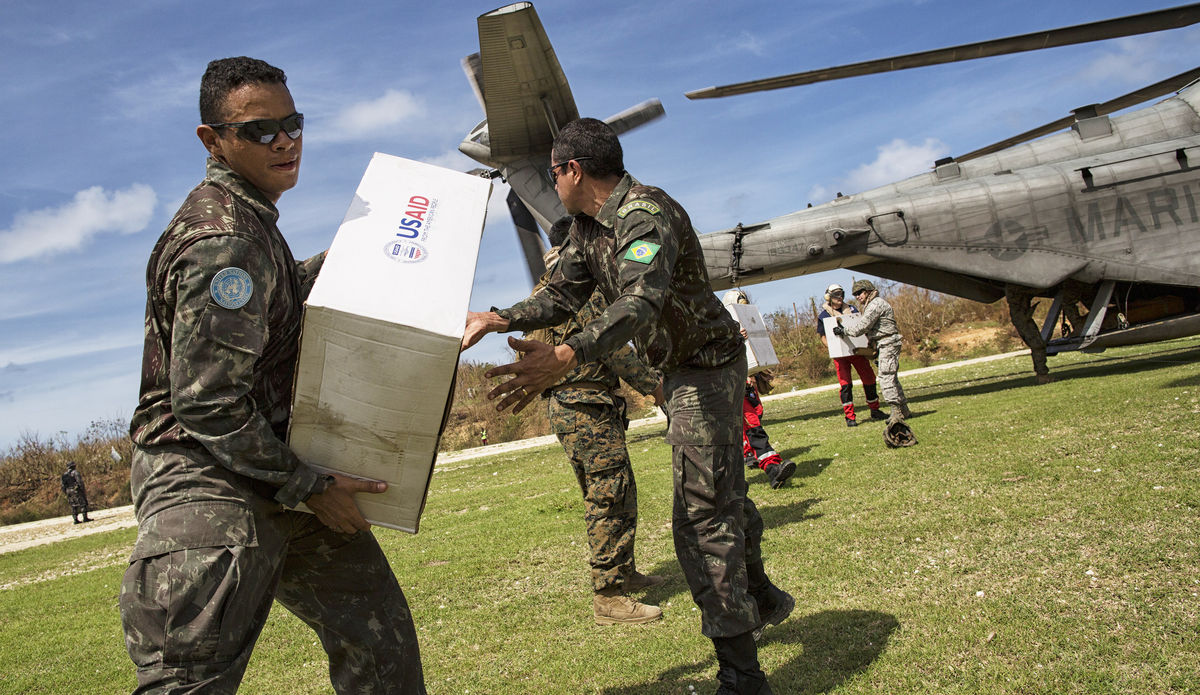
227, 74
590, 137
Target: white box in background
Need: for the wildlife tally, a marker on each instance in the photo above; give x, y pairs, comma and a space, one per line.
843, 345
382, 327
760, 354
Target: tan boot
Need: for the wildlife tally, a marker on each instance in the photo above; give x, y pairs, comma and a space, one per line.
637, 581
613, 607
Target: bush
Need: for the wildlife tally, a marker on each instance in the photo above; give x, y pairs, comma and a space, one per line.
30, 473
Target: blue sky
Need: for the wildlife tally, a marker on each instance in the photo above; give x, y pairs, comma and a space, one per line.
99, 105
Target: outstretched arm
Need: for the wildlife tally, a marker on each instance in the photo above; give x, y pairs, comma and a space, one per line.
479, 324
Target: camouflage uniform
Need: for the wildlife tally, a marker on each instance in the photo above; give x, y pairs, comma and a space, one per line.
642, 253
878, 323
589, 419
72, 485
213, 480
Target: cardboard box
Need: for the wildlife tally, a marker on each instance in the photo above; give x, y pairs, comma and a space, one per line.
760, 354
382, 327
843, 345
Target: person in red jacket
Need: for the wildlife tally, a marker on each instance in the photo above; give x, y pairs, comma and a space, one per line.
756, 445
835, 305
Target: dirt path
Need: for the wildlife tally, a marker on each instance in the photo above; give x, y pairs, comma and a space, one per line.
35, 533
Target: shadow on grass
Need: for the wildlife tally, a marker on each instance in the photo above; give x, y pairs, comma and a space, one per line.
830, 647
1185, 381
777, 516
773, 517
1094, 367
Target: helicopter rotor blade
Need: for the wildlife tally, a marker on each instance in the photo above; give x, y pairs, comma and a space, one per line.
472, 65
1171, 18
527, 235
1171, 84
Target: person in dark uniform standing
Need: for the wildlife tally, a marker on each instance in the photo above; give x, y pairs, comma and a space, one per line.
214, 483
637, 245
588, 417
72, 486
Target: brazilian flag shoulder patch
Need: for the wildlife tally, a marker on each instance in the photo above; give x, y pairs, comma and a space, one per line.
642, 251
632, 205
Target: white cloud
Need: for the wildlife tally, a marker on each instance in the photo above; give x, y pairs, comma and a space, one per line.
897, 160
92, 212
750, 43
1133, 60
55, 347
366, 120
452, 159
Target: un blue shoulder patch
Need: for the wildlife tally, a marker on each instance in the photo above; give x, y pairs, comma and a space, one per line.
632, 205
231, 288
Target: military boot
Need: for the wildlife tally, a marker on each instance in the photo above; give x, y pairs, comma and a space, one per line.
738, 671
774, 604
851, 422
778, 473
75, 518
611, 607
878, 414
637, 581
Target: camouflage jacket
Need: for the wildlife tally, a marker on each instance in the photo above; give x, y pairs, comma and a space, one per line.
72, 480
642, 253
878, 322
218, 380
596, 380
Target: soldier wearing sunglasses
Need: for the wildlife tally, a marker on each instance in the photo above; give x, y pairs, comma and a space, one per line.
213, 479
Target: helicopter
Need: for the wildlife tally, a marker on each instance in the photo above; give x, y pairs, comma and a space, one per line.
1092, 211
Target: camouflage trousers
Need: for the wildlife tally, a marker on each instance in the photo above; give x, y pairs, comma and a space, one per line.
77, 500
716, 527
889, 368
193, 603
593, 437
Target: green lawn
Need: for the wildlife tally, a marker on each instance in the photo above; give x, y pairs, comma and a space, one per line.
1039, 539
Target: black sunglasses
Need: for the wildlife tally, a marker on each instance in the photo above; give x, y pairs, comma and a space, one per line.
553, 170
264, 130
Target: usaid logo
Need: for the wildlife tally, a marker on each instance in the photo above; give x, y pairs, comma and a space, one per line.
419, 213
405, 251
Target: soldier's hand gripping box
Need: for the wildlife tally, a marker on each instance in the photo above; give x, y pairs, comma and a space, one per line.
382, 327
843, 345
760, 354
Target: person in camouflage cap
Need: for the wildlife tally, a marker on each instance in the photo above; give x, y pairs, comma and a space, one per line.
878, 323
73, 488
588, 417
214, 483
636, 245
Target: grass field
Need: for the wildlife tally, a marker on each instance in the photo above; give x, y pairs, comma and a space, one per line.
1038, 539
